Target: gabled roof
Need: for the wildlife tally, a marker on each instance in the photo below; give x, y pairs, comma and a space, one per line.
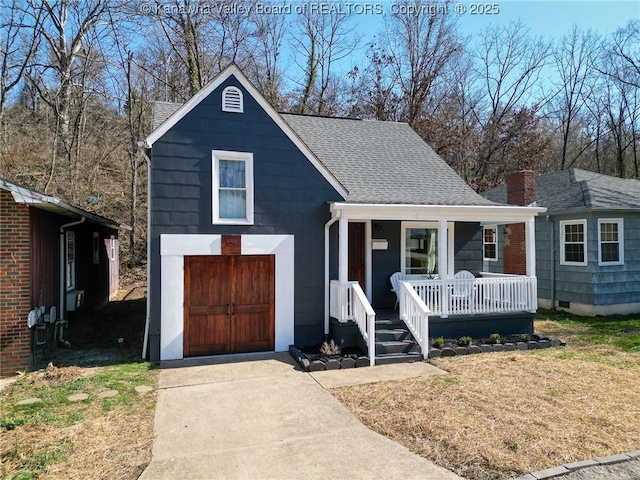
46, 202
383, 162
579, 190
232, 70
372, 161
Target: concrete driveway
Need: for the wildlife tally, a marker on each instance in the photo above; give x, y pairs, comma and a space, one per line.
260, 417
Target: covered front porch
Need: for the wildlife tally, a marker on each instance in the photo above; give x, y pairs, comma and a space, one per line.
429, 246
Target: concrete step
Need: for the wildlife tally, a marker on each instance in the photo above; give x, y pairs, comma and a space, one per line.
405, 346
388, 358
393, 334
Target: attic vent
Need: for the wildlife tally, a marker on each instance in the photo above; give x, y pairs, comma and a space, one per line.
232, 100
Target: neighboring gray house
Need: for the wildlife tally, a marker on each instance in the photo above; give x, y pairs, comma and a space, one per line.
263, 225
587, 244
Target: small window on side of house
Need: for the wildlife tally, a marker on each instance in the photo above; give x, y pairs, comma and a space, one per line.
490, 243
610, 241
232, 100
232, 192
70, 238
96, 248
573, 242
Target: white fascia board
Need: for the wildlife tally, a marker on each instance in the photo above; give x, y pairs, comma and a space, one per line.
497, 214
275, 116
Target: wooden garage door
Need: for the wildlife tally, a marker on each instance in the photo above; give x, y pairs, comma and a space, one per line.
229, 304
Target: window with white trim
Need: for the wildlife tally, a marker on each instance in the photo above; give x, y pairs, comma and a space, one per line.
112, 247
610, 241
96, 248
232, 188
232, 100
419, 248
573, 242
70, 238
490, 243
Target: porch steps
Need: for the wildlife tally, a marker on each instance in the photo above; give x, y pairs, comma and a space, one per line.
394, 343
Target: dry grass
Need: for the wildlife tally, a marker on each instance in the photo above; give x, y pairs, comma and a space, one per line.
503, 415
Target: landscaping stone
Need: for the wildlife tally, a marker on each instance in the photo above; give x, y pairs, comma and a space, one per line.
362, 362
498, 347
563, 343
521, 346
434, 352
611, 459
579, 465
317, 366
305, 363
348, 363
555, 342
142, 389
532, 345
475, 349
29, 401
108, 394
544, 344
486, 348
78, 397
332, 364
509, 347
549, 473
448, 352
462, 350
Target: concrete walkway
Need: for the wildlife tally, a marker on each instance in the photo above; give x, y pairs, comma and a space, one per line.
260, 417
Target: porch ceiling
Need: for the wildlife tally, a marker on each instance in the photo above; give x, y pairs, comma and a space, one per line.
489, 214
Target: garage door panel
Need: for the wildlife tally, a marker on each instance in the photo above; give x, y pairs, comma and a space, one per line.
255, 281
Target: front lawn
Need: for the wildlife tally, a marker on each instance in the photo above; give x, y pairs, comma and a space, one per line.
503, 415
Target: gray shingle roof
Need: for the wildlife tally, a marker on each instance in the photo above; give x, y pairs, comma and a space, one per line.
382, 162
577, 189
377, 162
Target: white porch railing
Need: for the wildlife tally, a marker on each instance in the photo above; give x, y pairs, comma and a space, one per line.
347, 302
494, 294
415, 315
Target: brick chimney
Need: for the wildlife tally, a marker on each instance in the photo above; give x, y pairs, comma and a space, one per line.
521, 191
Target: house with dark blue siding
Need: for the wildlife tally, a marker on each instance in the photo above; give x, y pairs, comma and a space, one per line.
587, 244
268, 228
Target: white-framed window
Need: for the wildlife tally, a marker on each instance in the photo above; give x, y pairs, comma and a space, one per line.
573, 242
419, 248
70, 240
95, 248
490, 243
232, 190
610, 241
112, 248
232, 100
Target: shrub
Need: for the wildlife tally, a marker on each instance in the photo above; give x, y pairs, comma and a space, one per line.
494, 338
330, 349
438, 342
524, 337
465, 341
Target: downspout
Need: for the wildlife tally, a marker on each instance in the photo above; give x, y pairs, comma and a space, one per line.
552, 274
145, 340
327, 226
63, 284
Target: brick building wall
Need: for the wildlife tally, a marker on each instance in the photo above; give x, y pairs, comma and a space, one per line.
15, 285
521, 190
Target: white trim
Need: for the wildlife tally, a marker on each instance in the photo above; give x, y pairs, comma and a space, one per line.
173, 249
495, 242
562, 224
112, 248
70, 259
269, 110
620, 223
436, 226
247, 158
232, 100
452, 213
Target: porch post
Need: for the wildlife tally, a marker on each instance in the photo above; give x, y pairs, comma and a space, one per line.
443, 261
530, 241
343, 250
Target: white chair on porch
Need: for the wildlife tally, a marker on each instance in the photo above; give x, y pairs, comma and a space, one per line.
462, 292
395, 280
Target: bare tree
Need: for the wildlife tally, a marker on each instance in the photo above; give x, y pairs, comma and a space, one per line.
320, 42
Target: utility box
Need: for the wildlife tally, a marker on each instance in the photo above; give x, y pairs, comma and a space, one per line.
75, 298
